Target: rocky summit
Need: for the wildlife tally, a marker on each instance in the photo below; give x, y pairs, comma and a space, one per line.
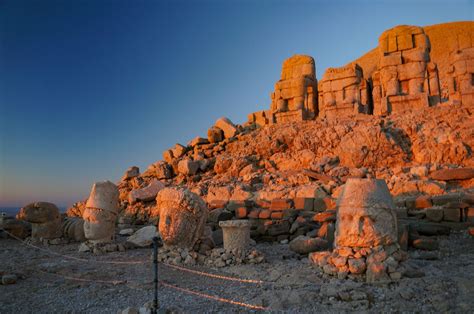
360, 183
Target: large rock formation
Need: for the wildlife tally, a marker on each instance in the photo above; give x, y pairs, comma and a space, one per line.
461, 70
101, 212
183, 215
343, 92
45, 220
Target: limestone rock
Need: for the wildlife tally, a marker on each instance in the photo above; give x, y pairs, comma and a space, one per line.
17, 227
182, 217
215, 135
227, 127
304, 245
144, 236
453, 174
147, 193
188, 167
131, 172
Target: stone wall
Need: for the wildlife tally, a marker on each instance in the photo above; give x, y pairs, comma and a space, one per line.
461, 69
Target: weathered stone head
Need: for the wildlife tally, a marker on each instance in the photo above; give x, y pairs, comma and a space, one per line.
365, 215
45, 220
101, 212
182, 217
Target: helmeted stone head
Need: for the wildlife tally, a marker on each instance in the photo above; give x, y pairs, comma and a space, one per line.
45, 219
182, 217
101, 212
365, 214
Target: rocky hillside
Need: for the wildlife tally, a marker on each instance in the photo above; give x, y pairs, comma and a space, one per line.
424, 151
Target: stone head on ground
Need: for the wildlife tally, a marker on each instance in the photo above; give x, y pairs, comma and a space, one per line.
45, 219
182, 217
365, 215
101, 212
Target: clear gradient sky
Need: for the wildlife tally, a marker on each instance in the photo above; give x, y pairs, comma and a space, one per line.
89, 88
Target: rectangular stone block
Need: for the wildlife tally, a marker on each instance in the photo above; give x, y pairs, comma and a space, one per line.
411, 70
280, 204
415, 55
405, 42
264, 214
469, 216
304, 203
277, 215
241, 212
254, 213
391, 59
392, 44
452, 214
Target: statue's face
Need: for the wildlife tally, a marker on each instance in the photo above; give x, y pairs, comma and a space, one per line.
177, 226
98, 224
365, 227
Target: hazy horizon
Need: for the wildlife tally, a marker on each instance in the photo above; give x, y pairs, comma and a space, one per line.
89, 88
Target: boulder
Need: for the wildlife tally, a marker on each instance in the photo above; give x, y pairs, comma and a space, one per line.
147, 193
304, 245
131, 172
188, 167
227, 127
144, 236
215, 135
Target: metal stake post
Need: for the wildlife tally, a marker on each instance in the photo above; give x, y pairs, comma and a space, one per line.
155, 262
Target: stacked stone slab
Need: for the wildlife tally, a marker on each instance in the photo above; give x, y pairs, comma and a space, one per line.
295, 94
343, 92
406, 79
101, 212
461, 70
366, 234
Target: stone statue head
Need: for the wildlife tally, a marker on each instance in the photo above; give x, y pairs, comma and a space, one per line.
365, 214
182, 217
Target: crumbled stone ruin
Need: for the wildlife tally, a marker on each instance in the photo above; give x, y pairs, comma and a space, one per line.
406, 79
343, 92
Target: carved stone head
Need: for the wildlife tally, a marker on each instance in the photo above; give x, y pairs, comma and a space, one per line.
182, 217
365, 214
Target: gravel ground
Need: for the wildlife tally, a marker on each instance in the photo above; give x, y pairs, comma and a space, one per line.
50, 283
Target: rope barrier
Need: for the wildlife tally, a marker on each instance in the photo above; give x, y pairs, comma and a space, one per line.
196, 272
116, 282
72, 257
215, 298
201, 273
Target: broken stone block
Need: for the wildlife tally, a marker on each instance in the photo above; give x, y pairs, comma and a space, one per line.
147, 193
452, 214
215, 135
280, 204
178, 150
188, 167
131, 172
453, 174
425, 244
434, 214
304, 203
226, 126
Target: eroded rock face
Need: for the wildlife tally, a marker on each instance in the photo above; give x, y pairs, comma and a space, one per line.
45, 220
182, 217
365, 216
101, 212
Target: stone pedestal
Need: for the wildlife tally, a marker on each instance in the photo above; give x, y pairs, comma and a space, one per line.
236, 234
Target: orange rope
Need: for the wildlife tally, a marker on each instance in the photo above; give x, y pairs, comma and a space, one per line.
215, 298
214, 275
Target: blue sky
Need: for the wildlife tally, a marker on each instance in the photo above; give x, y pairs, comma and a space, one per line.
89, 88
